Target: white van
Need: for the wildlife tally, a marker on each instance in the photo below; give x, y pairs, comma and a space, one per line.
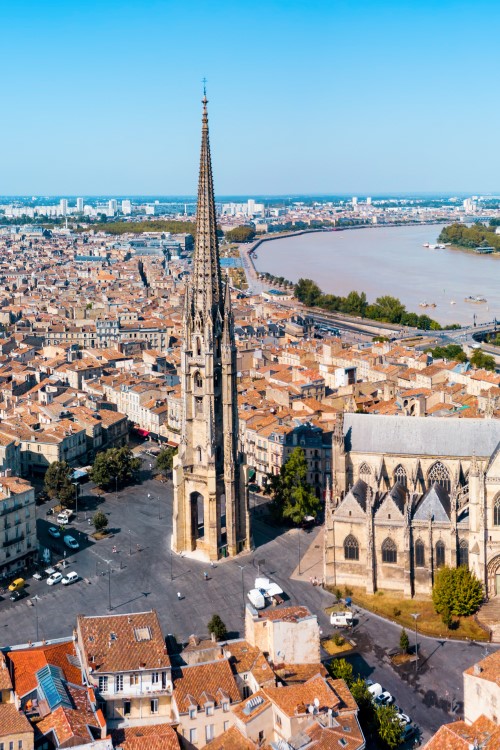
70, 578
257, 598
341, 619
375, 690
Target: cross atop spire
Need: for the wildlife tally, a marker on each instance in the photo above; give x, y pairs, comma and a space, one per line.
206, 278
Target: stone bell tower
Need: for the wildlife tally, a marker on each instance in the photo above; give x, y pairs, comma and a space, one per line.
211, 516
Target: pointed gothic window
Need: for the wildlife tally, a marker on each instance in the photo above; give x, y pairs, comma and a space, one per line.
463, 553
400, 476
389, 552
198, 347
365, 473
419, 554
351, 548
198, 381
198, 405
440, 554
199, 455
496, 512
439, 474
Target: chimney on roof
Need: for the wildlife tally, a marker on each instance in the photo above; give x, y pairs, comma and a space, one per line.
477, 669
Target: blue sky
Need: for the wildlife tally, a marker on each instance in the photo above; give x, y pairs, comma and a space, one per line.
305, 97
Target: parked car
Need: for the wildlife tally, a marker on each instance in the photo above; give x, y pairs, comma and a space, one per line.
375, 689
71, 542
54, 578
62, 518
384, 699
18, 594
401, 716
341, 618
54, 531
38, 576
254, 487
17, 584
409, 731
70, 578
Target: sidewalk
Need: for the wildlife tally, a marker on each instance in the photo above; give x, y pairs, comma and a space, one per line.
311, 555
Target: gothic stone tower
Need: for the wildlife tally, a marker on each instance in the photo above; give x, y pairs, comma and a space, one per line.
210, 509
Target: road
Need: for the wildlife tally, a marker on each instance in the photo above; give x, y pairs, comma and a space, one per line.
136, 579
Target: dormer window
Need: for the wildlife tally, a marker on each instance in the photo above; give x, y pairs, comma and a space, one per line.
209, 709
192, 712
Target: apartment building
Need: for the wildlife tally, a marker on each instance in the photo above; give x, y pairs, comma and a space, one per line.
17, 524
125, 661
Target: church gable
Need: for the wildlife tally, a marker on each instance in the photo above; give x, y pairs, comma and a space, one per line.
392, 505
354, 503
493, 469
434, 505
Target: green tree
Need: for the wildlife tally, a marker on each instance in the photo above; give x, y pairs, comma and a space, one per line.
390, 308
482, 361
308, 292
404, 641
57, 483
217, 627
341, 669
456, 591
241, 234
165, 460
100, 520
389, 729
363, 697
293, 497
114, 465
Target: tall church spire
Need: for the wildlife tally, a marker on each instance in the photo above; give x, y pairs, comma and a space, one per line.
206, 279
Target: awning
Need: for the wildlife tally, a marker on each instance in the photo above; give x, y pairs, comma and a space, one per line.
141, 432
251, 474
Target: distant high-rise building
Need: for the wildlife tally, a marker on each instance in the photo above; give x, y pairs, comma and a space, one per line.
354, 201
126, 207
368, 201
112, 207
63, 206
79, 205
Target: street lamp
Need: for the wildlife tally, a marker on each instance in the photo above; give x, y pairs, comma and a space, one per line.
110, 608
242, 568
129, 543
298, 537
415, 616
75, 485
35, 600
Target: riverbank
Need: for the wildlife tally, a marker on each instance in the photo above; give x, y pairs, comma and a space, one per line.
388, 261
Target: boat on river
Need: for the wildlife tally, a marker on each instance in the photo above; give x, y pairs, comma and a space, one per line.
476, 299
427, 304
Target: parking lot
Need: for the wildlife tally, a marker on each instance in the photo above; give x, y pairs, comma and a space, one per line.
143, 574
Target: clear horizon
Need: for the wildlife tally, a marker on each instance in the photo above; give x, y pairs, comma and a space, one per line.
305, 98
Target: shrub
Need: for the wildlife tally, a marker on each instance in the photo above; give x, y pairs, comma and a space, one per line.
338, 594
396, 612
404, 641
338, 640
347, 591
217, 627
100, 521
456, 591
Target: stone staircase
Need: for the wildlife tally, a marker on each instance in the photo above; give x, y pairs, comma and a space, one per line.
489, 615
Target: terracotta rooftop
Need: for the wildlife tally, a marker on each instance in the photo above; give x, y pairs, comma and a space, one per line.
199, 684
122, 643
290, 614
461, 736
27, 662
151, 737
13, 721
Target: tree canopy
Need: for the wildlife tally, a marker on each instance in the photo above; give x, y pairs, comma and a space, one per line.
217, 627
389, 729
57, 483
114, 465
137, 227
293, 497
456, 591
472, 237
165, 459
482, 361
240, 234
449, 352
387, 309
100, 520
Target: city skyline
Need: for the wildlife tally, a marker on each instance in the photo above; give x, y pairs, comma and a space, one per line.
314, 99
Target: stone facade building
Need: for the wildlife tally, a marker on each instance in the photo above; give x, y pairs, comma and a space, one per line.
210, 503
409, 495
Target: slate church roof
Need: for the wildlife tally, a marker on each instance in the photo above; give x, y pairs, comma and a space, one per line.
423, 436
434, 504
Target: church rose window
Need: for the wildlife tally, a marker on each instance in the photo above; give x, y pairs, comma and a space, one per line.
351, 548
400, 476
389, 552
440, 554
496, 512
439, 474
419, 554
463, 553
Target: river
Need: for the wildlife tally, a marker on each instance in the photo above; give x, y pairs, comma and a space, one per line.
391, 260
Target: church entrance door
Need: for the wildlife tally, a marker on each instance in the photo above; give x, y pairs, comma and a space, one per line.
497, 584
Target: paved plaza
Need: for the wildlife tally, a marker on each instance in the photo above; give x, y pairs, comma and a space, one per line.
143, 574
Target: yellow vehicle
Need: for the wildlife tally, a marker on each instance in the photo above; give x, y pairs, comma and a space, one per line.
17, 584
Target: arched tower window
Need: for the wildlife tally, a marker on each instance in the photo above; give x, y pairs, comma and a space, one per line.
440, 554
199, 455
389, 552
351, 548
400, 476
198, 380
496, 512
365, 472
463, 553
198, 346
439, 474
419, 554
